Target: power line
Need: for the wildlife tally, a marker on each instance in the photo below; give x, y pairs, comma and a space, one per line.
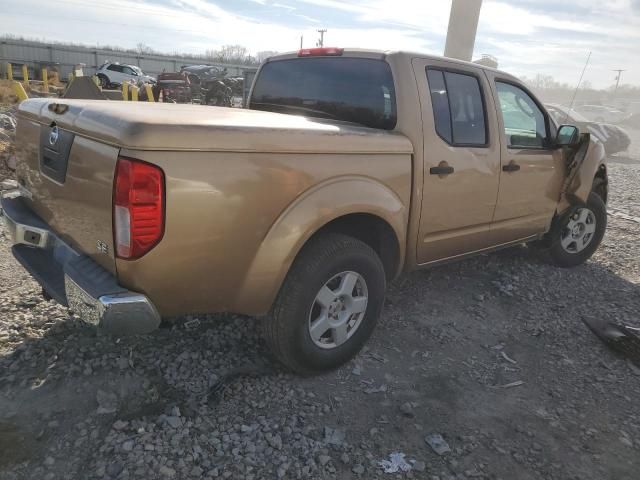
321, 31
617, 79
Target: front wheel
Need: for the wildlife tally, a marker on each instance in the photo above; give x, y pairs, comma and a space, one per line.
103, 80
576, 235
328, 305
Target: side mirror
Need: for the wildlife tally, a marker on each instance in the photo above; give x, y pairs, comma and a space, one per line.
568, 135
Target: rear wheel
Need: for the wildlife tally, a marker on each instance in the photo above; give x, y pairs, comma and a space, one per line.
328, 305
576, 235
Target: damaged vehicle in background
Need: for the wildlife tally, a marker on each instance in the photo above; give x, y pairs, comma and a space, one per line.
349, 168
170, 88
613, 138
602, 113
208, 84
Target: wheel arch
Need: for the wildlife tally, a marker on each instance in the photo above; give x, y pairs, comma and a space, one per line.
358, 206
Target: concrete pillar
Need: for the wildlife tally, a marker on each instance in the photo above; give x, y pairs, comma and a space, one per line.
463, 24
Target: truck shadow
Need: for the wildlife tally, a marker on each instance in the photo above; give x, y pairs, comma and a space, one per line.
62, 378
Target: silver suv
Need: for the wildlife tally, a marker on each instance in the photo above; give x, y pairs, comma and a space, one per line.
116, 73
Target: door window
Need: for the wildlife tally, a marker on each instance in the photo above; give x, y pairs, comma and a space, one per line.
524, 123
115, 68
128, 71
458, 108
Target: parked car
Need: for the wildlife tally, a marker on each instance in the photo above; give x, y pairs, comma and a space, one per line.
614, 138
349, 168
208, 82
601, 113
111, 73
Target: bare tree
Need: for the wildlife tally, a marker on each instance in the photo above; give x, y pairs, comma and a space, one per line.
143, 48
262, 56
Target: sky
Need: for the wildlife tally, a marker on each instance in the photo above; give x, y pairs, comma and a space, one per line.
528, 37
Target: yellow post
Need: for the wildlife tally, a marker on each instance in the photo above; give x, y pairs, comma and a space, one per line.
125, 91
149, 90
96, 80
9, 71
45, 79
18, 89
134, 93
25, 75
70, 78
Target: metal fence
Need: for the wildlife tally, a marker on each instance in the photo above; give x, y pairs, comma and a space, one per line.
39, 54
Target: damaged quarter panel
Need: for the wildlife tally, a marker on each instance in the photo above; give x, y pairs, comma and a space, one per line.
235, 219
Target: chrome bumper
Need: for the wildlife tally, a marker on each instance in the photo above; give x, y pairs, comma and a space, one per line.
73, 279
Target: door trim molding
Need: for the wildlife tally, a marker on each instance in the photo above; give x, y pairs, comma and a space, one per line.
493, 248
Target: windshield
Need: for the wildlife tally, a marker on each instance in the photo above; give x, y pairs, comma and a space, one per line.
357, 90
136, 69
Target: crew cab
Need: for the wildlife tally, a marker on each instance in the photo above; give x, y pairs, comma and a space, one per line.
348, 168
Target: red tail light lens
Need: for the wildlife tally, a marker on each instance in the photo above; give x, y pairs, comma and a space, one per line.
320, 52
138, 208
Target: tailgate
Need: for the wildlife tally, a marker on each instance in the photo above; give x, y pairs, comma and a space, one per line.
67, 180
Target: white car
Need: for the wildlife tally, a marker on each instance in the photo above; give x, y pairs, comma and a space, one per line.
601, 113
110, 73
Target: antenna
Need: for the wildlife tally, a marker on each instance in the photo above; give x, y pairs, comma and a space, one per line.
577, 87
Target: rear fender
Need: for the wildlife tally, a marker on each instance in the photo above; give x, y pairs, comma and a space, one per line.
308, 214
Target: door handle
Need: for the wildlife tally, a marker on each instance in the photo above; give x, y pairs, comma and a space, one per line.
511, 167
442, 169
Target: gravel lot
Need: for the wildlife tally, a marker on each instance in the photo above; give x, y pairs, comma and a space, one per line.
490, 354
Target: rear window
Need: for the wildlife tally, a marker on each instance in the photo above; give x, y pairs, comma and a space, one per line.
357, 90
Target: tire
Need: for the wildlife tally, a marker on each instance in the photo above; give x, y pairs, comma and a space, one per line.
569, 244
104, 81
325, 263
600, 187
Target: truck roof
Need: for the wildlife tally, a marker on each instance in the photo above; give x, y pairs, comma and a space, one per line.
381, 54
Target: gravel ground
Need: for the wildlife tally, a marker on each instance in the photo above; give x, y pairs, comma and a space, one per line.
480, 369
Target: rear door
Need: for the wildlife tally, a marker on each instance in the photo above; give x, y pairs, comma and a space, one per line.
532, 169
461, 159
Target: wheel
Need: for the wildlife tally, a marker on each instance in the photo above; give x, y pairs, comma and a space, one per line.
576, 235
328, 305
104, 81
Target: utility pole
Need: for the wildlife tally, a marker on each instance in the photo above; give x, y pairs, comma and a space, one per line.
321, 31
301, 38
617, 80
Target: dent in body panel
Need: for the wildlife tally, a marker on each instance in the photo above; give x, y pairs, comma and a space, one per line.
220, 208
580, 178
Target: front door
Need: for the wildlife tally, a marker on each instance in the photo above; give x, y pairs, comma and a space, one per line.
532, 169
461, 159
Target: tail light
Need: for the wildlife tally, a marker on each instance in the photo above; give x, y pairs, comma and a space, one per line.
138, 207
321, 52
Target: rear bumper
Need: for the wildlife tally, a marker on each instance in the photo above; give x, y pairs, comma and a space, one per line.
73, 279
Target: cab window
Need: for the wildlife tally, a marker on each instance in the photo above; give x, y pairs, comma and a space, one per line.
524, 123
458, 107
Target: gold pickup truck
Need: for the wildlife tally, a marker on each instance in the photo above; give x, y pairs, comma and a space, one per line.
348, 168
